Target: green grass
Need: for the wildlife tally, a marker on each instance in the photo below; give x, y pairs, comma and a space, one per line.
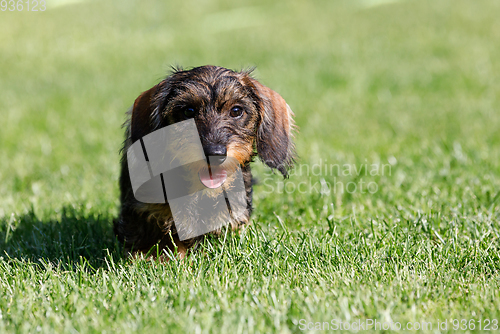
412, 85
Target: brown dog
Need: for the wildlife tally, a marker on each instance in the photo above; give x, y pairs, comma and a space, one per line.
235, 116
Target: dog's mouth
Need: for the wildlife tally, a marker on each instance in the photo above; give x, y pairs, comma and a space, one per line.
212, 176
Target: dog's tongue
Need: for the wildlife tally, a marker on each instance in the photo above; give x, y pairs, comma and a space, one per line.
215, 180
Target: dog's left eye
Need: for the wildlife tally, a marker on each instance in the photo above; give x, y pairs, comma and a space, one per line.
236, 112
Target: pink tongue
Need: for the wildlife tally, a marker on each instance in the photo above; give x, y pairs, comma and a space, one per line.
217, 179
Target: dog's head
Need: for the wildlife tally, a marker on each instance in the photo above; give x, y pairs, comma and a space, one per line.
235, 115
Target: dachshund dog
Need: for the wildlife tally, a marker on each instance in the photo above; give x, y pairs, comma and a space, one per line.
236, 117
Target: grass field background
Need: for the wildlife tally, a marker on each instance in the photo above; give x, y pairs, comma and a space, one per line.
412, 85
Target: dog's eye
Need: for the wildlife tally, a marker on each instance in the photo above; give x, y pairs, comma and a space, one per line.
189, 112
236, 112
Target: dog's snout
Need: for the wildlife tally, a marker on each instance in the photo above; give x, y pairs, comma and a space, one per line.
216, 153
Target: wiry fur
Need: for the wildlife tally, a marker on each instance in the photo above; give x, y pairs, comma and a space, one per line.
264, 129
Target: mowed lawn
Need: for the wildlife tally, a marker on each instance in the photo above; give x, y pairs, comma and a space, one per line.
391, 216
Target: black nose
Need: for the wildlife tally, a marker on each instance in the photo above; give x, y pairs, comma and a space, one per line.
216, 154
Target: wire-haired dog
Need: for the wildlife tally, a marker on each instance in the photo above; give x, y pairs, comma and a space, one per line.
236, 117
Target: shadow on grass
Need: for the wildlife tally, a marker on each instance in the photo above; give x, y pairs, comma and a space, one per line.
71, 238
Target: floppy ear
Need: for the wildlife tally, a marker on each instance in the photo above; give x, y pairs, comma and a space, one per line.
274, 134
141, 121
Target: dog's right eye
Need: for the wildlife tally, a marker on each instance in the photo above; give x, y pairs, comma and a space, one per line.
189, 112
